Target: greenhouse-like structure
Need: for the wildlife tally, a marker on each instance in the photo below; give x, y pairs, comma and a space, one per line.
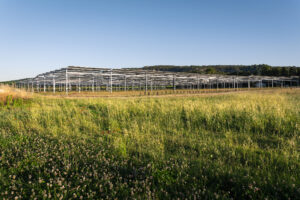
104, 79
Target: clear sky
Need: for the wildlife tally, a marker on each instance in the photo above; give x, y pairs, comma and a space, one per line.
41, 35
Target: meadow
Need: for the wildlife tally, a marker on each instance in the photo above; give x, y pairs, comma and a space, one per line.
243, 145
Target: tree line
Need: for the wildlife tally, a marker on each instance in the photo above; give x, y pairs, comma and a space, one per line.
242, 70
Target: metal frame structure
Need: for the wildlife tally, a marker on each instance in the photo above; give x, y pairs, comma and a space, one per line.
98, 79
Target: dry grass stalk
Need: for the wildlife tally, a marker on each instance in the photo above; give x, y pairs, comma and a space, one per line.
13, 93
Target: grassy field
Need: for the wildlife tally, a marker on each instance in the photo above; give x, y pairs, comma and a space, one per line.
243, 145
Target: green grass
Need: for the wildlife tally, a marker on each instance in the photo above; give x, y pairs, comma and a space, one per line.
241, 146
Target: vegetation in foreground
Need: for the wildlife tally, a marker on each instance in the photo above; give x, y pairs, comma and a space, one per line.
234, 146
13, 97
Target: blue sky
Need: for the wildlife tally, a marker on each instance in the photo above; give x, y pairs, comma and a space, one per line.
42, 35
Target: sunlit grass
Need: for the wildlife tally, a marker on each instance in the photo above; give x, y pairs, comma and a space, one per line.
10, 96
239, 145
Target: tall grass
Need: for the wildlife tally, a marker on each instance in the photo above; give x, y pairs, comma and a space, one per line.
241, 146
12, 97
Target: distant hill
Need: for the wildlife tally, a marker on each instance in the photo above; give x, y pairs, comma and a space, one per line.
242, 70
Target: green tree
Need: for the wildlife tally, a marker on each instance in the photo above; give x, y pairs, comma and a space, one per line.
285, 71
210, 70
276, 71
265, 69
293, 71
